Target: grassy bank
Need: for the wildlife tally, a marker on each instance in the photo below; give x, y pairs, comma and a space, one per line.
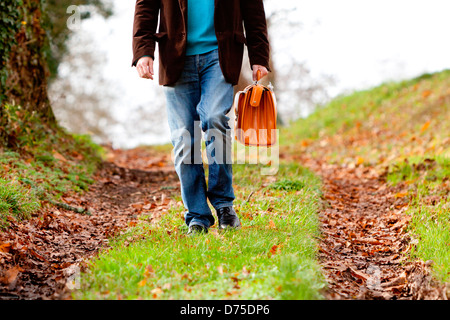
403, 131
428, 181
271, 257
39, 164
380, 126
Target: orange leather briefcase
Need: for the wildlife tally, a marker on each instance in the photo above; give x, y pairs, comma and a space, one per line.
256, 115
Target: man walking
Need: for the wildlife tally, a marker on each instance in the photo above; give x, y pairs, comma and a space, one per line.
201, 45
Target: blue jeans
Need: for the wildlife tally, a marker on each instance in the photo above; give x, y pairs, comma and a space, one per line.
199, 101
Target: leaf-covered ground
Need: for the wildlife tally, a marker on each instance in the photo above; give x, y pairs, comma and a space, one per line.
365, 243
382, 155
40, 256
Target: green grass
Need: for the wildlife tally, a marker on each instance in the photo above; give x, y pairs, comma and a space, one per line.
16, 201
41, 163
343, 112
378, 126
273, 256
429, 208
286, 184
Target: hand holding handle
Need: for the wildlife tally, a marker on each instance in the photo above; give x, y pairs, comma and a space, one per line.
258, 75
259, 72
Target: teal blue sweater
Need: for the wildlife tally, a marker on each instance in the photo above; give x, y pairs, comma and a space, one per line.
201, 36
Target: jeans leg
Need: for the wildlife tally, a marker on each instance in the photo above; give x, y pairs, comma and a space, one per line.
182, 99
216, 101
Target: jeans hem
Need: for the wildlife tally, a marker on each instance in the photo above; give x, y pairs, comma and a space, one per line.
220, 206
206, 221
193, 223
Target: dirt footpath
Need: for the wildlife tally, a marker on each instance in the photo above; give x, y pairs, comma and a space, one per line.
40, 257
364, 241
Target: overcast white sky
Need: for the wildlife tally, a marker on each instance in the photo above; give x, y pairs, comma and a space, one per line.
367, 42
359, 43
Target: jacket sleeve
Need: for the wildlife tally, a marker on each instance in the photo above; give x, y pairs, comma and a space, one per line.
144, 28
255, 25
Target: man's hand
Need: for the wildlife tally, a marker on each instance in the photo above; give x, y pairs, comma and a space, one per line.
145, 68
263, 70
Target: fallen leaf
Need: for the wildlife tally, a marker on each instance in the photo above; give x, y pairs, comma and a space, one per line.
272, 224
10, 275
156, 291
149, 206
220, 270
426, 93
59, 156
77, 155
149, 272
142, 282
396, 282
138, 205
359, 160
274, 248
186, 276
164, 199
425, 126
401, 194
4, 247
358, 274
369, 241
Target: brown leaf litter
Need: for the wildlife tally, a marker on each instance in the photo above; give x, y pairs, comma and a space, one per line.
38, 257
364, 245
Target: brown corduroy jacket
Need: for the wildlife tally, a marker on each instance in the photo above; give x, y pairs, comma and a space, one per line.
230, 18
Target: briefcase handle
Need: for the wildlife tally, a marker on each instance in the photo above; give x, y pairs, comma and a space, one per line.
258, 75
